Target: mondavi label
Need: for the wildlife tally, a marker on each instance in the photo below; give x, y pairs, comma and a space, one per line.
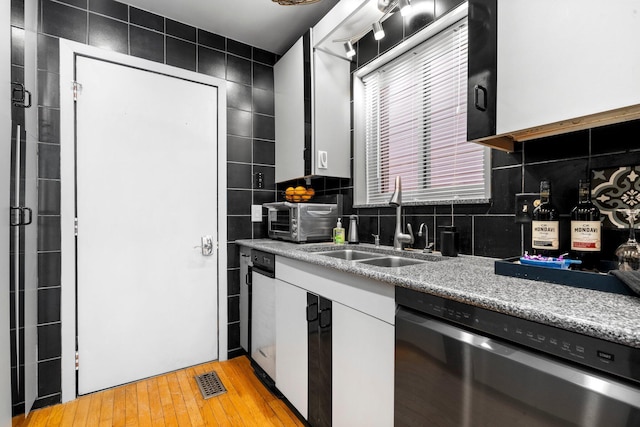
544, 235
585, 236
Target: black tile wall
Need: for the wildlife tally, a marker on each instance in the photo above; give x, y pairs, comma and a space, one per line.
180, 53
49, 125
110, 8
180, 30
238, 70
146, 44
49, 345
17, 13
48, 197
211, 62
264, 127
239, 96
146, 19
214, 41
112, 25
64, 21
239, 123
262, 76
264, 152
238, 149
238, 48
48, 53
49, 268
108, 33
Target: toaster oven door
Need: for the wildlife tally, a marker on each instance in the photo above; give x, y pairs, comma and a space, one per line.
280, 219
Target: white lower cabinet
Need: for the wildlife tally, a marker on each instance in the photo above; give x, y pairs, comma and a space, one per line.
358, 315
363, 376
291, 345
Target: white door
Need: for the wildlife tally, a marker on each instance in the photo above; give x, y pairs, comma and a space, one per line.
5, 180
146, 148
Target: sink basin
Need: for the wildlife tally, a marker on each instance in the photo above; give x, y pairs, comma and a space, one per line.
350, 254
392, 261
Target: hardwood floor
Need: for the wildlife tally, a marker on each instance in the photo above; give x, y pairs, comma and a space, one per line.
173, 399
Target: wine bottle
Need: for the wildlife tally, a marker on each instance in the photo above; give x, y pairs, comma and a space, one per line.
585, 229
545, 227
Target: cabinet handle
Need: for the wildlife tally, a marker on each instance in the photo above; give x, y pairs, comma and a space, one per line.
477, 89
324, 315
312, 312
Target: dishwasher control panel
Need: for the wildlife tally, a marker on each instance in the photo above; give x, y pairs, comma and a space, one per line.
264, 261
603, 355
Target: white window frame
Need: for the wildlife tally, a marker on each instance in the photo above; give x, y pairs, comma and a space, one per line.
360, 190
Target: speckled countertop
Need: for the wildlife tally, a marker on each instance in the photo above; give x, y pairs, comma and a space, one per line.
472, 280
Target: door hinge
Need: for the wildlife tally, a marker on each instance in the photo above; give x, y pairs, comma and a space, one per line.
75, 227
77, 361
77, 90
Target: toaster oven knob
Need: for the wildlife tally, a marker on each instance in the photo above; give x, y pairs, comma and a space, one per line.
294, 225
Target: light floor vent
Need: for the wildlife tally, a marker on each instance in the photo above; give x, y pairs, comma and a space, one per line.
210, 385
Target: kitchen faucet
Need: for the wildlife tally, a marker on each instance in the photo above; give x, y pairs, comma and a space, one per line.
399, 237
427, 246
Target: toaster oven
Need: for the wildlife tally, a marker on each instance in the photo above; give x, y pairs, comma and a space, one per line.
301, 222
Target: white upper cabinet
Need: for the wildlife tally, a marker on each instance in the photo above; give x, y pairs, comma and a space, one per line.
559, 60
312, 106
562, 66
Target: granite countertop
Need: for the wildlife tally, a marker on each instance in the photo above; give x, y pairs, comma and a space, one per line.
472, 280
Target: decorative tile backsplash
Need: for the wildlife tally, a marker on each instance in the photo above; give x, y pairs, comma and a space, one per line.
613, 190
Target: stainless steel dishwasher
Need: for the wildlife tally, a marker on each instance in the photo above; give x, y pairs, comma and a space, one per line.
459, 365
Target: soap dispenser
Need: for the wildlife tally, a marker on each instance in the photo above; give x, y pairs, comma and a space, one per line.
338, 233
353, 229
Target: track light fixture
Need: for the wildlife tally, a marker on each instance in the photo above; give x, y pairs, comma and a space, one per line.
378, 31
348, 48
387, 7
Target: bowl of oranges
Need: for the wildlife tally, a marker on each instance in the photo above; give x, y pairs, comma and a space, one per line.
299, 194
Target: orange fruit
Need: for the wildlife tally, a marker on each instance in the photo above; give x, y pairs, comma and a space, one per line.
289, 191
296, 198
300, 190
311, 192
305, 197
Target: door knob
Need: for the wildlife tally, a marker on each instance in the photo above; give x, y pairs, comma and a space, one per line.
206, 246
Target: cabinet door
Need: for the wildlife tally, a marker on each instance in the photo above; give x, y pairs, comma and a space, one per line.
481, 88
291, 345
319, 350
263, 328
558, 60
331, 116
363, 357
288, 75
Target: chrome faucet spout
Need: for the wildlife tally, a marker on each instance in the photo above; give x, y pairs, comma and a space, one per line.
427, 245
399, 237
396, 197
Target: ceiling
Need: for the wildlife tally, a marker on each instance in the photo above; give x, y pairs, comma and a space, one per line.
259, 23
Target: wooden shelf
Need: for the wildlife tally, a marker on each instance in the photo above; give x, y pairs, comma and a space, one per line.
505, 142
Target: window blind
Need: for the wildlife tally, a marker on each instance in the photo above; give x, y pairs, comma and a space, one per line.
415, 125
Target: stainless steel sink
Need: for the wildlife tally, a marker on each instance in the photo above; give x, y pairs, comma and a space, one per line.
392, 261
350, 254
